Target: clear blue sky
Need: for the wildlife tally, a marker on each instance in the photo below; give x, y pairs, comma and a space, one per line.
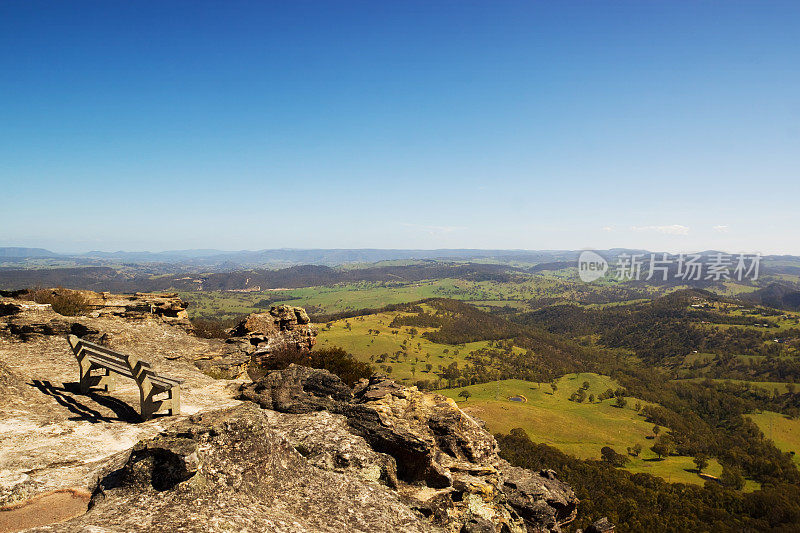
400, 124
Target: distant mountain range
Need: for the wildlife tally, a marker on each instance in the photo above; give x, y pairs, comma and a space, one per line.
286, 256
275, 258
25, 253
189, 270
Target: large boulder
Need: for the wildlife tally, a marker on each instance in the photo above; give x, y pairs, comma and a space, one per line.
539, 497
283, 327
228, 470
258, 337
443, 462
298, 389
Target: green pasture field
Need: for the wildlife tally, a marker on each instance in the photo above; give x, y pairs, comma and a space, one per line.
782, 430
580, 429
316, 300
519, 293
415, 351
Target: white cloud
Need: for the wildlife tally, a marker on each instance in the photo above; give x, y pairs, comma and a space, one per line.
608, 228
722, 228
674, 229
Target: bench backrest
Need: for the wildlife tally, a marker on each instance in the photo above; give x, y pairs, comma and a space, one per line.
126, 365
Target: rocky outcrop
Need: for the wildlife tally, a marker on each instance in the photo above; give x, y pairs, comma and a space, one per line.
538, 497
253, 339
230, 471
600, 526
282, 327
440, 461
168, 308
259, 336
53, 437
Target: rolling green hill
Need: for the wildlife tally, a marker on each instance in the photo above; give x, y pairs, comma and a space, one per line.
579, 429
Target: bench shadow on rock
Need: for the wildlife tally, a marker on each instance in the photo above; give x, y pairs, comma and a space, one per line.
69, 396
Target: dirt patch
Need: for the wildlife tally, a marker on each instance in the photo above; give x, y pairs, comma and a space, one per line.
49, 508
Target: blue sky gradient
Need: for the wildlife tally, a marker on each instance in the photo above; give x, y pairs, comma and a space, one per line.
538, 125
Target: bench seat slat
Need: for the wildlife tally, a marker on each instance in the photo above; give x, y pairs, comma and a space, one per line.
118, 367
104, 360
170, 382
109, 353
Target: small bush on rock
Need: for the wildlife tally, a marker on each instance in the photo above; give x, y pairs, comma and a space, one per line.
214, 328
335, 360
63, 301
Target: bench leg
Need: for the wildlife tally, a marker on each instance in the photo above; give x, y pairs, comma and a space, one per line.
106, 381
146, 404
174, 400
85, 374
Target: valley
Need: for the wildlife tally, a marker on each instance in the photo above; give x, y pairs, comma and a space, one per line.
612, 379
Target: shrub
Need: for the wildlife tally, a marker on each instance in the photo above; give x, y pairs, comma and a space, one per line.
214, 328
63, 301
335, 360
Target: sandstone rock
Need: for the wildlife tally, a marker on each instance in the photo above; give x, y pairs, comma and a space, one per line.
51, 436
538, 497
260, 335
9, 307
167, 306
601, 526
26, 319
324, 440
229, 471
446, 464
298, 389
282, 327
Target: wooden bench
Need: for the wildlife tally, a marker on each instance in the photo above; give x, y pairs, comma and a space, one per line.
93, 357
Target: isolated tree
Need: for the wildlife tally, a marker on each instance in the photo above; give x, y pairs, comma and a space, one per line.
656, 429
585, 385
553, 386
465, 394
701, 462
621, 402
591, 398
610, 456
662, 447
636, 450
